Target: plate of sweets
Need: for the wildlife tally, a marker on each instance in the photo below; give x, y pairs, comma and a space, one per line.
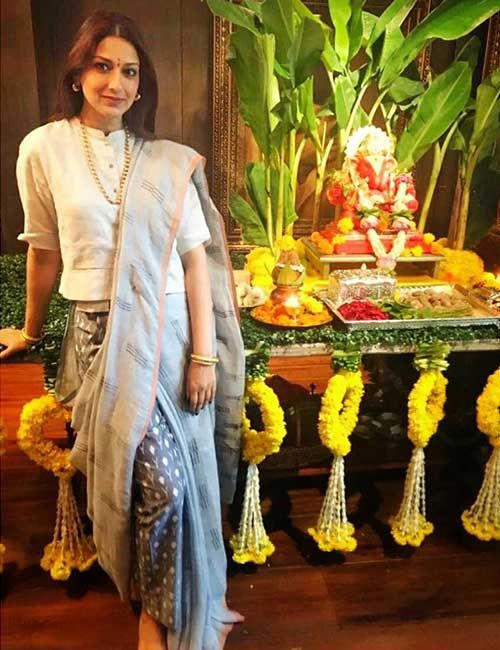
407, 307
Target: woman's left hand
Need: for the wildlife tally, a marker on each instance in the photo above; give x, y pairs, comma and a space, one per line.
200, 385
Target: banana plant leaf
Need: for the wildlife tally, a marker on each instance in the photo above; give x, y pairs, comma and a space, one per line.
253, 230
277, 18
404, 89
344, 95
340, 13
306, 50
329, 57
437, 109
452, 19
392, 17
289, 214
470, 52
486, 125
356, 28
255, 6
236, 14
305, 108
255, 184
251, 58
461, 138
484, 199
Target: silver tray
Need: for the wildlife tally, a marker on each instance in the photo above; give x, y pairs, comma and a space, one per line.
481, 315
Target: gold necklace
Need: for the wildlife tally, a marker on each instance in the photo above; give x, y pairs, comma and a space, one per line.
90, 158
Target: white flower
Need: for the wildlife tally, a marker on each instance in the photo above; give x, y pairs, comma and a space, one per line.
370, 140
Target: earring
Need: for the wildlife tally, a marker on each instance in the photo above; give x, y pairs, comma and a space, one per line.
76, 88
137, 97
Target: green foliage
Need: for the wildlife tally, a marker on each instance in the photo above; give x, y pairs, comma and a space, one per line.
234, 13
252, 228
251, 59
448, 21
437, 110
12, 306
276, 49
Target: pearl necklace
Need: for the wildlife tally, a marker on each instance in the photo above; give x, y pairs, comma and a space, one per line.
90, 158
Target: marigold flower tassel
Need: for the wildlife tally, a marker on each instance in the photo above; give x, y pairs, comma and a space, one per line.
333, 532
410, 526
483, 517
337, 419
70, 548
425, 412
251, 544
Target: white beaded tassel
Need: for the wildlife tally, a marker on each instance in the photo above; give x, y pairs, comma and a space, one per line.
483, 517
333, 531
410, 526
251, 544
70, 548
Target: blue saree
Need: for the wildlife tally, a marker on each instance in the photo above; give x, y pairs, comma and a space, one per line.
140, 364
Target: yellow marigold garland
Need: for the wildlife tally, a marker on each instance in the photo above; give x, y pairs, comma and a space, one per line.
337, 419
426, 406
425, 412
251, 543
483, 517
259, 444
70, 548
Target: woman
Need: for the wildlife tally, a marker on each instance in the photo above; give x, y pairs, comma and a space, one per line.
153, 349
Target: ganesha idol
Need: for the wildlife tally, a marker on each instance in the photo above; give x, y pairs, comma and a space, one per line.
375, 204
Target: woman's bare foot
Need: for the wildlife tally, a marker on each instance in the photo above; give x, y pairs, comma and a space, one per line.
151, 635
236, 617
223, 630
233, 615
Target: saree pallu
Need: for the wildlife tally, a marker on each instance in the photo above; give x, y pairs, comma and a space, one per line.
138, 365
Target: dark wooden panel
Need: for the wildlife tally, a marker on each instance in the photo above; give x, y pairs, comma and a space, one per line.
19, 110
197, 76
160, 24
179, 37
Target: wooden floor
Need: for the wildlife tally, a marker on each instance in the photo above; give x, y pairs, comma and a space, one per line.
443, 596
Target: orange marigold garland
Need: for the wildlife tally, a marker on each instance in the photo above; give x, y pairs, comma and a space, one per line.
70, 547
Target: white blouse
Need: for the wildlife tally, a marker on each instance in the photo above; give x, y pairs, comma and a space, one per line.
65, 210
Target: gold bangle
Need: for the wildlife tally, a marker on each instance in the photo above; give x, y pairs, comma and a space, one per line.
30, 339
209, 361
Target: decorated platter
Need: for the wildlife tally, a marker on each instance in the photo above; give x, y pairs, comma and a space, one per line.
286, 322
415, 307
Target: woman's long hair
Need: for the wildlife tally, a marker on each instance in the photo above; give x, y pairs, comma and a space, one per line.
140, 118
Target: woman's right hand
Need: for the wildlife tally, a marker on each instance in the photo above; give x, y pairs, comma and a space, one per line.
13, 342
